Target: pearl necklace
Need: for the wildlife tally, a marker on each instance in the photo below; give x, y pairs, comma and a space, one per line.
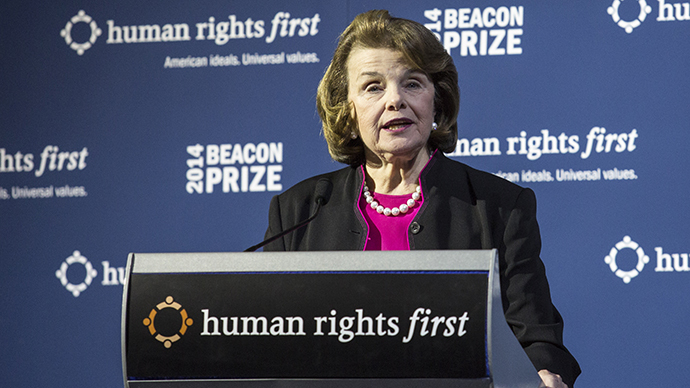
396, 210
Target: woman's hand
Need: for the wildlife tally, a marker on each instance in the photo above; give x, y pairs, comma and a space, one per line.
551, 380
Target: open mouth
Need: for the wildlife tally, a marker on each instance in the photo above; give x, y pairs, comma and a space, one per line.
397, 124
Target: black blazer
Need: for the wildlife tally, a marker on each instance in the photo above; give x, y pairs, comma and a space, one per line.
463, 208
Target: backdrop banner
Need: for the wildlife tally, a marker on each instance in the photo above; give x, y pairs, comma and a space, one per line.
167, 126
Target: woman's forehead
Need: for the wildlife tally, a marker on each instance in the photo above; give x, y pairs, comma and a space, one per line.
377, 61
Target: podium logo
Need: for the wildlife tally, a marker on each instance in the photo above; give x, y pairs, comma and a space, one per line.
61, 273
80, 17
168, 322
642, 259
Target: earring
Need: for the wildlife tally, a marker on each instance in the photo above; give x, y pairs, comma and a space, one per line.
434, 126
353, 135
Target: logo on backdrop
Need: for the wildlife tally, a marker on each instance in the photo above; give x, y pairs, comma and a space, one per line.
665, 262
150, 321
628, 26
549, 144
234, 168
642, 259
282, 26
80, 47
478, 31
51, 159
76, 258
77, 264
668, 12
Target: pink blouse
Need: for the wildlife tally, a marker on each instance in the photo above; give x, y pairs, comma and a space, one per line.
388, 233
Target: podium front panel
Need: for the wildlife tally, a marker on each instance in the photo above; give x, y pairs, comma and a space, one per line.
307, 319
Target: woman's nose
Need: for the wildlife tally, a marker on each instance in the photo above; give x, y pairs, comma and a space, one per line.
395, 100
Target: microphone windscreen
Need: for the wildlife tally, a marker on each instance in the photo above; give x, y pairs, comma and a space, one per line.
322, 193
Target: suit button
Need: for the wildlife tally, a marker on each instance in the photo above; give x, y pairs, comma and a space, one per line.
415, 228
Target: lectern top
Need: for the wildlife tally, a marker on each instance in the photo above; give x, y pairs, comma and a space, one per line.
446, 260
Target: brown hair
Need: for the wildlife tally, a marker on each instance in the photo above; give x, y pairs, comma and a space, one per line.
422, 51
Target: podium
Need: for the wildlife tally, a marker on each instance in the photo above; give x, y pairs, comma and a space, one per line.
318, 319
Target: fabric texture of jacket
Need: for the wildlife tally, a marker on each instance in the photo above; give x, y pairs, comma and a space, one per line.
463, 208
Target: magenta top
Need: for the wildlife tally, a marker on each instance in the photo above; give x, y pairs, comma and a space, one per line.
388, 233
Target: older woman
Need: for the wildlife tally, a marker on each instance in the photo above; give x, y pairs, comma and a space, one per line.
389, 103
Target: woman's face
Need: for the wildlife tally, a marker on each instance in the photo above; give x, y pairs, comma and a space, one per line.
393, 104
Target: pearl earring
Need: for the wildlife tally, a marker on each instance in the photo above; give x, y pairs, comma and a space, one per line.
434, 126
353, 135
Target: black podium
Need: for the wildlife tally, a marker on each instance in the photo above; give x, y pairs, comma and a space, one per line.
318, 319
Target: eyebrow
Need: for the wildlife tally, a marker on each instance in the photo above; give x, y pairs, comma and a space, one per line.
369, 73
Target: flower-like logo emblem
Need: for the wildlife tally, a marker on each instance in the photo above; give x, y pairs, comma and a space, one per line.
628, 26
61, 273
168, 340
81, 17
642, 259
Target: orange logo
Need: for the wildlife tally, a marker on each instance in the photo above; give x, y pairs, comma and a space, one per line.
150, 322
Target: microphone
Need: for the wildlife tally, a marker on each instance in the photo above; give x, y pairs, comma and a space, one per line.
322, 193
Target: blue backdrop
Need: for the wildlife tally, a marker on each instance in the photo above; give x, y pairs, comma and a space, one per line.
166, 126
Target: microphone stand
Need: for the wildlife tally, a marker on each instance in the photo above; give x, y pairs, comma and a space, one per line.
322, 193
283, 233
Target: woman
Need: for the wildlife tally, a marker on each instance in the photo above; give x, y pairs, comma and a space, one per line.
389, 103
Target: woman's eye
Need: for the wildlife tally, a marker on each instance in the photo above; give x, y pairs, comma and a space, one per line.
414, 85
373, 88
